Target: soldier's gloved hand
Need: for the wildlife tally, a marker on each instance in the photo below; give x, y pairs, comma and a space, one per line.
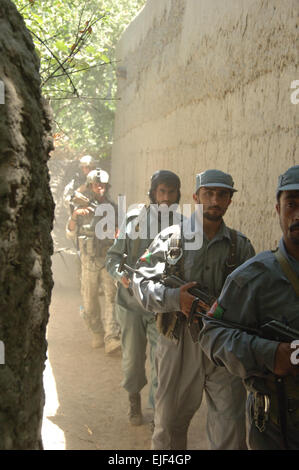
83, 211
125, 282
282, 363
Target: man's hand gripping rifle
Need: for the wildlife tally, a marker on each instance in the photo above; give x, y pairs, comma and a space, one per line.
126, 270
272, 330
203, 301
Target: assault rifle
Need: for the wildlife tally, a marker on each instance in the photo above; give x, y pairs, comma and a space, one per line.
78, 200
205, 301
272, 330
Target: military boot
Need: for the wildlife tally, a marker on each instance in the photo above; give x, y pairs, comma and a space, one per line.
113, 346
97, 340
135, 415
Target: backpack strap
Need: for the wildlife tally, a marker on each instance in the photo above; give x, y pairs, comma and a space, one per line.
231, 262
288, 271
169, 323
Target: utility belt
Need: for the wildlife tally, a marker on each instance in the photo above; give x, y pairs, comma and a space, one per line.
280, 404
87, 245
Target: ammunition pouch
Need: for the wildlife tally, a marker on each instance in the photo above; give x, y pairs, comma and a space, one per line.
90, 244
169, 324
86, 230
87, 245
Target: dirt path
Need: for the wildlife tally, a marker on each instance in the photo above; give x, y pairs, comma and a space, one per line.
86, 407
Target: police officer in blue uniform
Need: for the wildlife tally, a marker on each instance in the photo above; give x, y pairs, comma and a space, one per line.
264, 288
184, 371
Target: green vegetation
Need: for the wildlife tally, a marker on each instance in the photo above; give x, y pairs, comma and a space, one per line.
75, 40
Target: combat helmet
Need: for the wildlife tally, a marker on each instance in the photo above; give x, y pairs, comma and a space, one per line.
87, 160
97, 176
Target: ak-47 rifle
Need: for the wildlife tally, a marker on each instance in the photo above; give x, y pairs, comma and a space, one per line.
272, 330
205, 300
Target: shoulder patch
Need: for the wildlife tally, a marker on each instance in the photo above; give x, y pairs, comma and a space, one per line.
146, 257
216, 311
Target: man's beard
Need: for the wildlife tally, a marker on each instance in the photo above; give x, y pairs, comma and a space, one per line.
100, 196
212, 218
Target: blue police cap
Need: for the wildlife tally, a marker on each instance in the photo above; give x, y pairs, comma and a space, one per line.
289, 181
215, 178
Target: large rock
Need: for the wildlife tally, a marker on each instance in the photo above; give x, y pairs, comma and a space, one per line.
26, 215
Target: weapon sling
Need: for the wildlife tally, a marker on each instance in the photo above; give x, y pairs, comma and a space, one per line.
288, 271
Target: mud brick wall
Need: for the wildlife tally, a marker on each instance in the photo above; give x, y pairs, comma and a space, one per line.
26, 214
207, 84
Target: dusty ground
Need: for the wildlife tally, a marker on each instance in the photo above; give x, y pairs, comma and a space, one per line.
86, 407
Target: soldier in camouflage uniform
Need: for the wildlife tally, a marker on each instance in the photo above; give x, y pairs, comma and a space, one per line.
78, 182
82, 225
265, 288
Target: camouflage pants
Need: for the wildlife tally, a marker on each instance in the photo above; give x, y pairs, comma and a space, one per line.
95, 280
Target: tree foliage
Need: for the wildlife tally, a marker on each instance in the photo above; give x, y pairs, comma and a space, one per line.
76, 40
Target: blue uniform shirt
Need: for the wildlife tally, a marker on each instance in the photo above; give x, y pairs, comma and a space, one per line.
255, 293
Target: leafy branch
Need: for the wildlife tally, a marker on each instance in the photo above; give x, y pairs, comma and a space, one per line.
75, 39
61, 65
76, 47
